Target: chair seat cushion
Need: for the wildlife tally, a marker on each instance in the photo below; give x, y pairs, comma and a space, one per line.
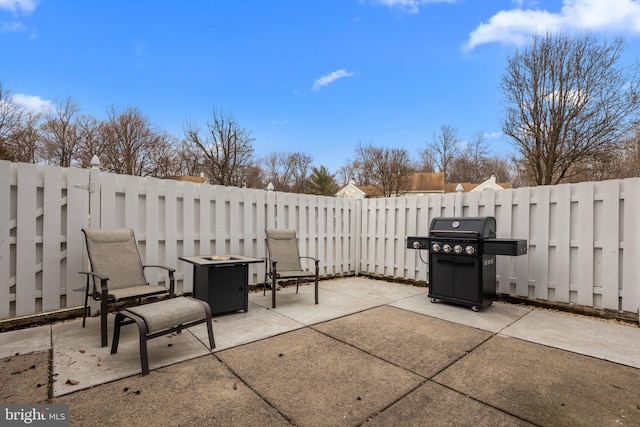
136, 291
295, 273
168, 313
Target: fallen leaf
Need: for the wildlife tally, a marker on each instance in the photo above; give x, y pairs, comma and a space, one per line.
82, 351
72, 382
23, 370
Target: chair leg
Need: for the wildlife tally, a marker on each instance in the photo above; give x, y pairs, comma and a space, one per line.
116, 333
264, 284
86, 303
207, 310
273, 292
144, 355
104, 311
85, 311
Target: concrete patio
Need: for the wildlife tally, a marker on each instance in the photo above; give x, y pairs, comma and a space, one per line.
372, 352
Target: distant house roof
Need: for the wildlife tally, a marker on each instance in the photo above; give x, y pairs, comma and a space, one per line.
425, 183
197, 179
489, 184
421, 183
351, 191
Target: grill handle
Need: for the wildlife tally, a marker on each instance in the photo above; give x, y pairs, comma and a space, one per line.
456, 261
456, 232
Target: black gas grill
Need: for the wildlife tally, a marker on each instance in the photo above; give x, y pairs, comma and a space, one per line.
462, 259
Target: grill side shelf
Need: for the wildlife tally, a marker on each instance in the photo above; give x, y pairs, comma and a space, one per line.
510, 247
418, 242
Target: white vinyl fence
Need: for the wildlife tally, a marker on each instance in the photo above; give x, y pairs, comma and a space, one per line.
584, 239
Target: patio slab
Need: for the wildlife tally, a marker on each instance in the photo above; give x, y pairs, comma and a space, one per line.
494, 318
233, 329
79, 362
423, 345
435, 405
386, 292
405, 361
25, 378
200, 392
314, 380
546, 386
334, 301
613, 342
24, 341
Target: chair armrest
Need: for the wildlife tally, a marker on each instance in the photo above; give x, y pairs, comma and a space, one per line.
170, 269
103, 283
91, 273
271, 272
172, 280
316, 260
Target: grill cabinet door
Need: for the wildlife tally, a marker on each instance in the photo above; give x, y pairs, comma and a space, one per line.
465, 280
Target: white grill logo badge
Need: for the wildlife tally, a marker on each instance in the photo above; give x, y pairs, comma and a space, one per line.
455, 224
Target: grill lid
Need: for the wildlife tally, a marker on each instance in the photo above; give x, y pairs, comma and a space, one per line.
463, 227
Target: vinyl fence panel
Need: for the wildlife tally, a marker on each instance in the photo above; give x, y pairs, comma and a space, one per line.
584, 239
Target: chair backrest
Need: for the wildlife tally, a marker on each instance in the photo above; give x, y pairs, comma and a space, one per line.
282, 245
113, 252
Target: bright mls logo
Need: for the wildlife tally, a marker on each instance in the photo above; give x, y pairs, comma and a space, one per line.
43, 415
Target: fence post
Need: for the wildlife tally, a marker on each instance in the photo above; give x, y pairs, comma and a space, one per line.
357, 236
94, 193
457, 206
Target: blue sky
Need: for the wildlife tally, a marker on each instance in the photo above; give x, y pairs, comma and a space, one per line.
316, 77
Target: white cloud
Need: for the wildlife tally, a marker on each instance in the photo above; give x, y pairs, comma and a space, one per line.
412, 6
330, 78
34, 104
11, 27
492, 135
516, 25
24, 6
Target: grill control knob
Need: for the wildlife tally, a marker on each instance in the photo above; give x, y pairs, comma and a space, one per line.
470, 250
446, 248
457, 249
435, 247
417, 245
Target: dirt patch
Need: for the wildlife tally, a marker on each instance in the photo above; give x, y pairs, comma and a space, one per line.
24, 378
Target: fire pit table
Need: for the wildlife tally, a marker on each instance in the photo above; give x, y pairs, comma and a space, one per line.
222, 281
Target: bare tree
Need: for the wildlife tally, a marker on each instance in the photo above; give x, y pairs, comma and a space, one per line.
11, 115
278, 170
567, 103
628, 158
190, 159
384, 168
227, 146
352, 170
440, 153
301, 171
129, 144
61, 133
471, 164
288, 171
254, 176
24, 141
165, 157
89, 136
501, 167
